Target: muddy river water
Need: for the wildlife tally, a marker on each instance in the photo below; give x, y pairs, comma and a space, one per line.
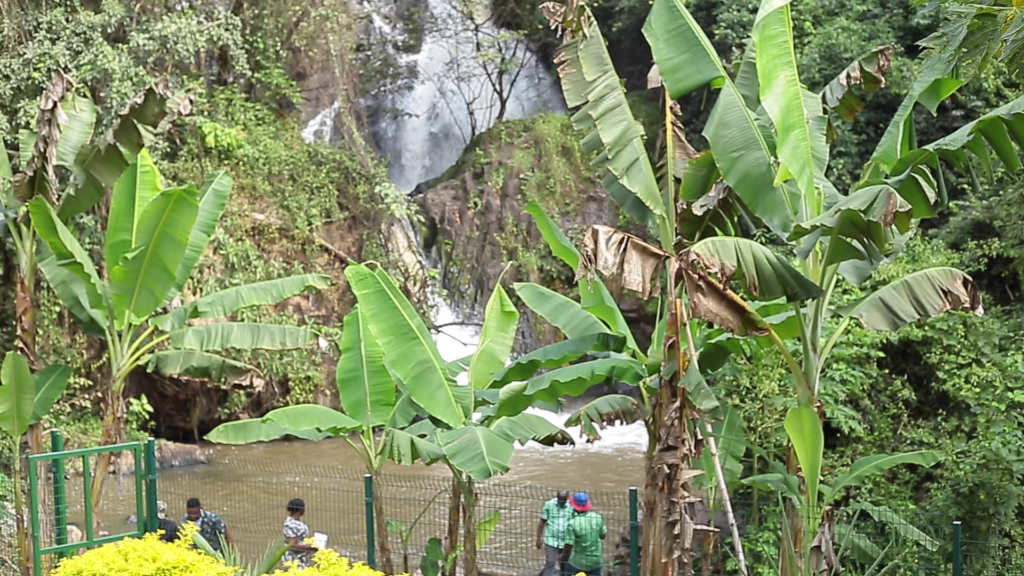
249, 487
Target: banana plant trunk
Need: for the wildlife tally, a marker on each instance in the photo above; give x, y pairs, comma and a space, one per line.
25, 341
19, 516
469, 567
791, 551
113, 433
384, 562
452, 539
668, 503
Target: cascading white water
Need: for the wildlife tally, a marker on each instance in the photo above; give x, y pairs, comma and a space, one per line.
426, 128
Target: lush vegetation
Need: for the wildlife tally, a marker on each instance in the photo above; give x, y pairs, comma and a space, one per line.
916, 219
149, 555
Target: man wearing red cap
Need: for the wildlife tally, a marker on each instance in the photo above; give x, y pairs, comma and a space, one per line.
583, 550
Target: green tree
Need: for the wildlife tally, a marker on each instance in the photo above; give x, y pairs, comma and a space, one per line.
154, 237
392, 379
24, 399
66, 164
766, 168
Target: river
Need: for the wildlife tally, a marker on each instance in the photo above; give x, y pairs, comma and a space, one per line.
249, 487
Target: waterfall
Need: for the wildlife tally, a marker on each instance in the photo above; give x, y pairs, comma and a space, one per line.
426, 129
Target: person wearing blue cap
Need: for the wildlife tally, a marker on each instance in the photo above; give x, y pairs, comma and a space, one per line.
583, 550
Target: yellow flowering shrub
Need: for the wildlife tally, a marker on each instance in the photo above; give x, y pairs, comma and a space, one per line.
145, 556
330, 563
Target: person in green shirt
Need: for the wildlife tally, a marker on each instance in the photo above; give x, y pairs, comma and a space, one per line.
583, 549
554, 515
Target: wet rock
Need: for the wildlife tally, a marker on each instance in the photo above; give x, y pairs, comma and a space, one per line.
168, 455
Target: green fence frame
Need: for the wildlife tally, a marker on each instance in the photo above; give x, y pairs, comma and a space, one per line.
145, 466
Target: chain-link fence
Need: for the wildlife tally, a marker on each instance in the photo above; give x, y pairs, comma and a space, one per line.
251, 496
8, 528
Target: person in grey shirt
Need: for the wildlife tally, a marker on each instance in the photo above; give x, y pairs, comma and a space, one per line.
554, 516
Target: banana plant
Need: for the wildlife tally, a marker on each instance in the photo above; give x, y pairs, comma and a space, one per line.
65, 162
154, 238
391, 378
779, 175
769, 149
24, 400
231, 556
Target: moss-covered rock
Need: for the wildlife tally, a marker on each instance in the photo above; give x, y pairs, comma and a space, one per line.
475, 225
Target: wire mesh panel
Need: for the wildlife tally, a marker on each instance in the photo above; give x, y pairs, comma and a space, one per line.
251, 497
8, 529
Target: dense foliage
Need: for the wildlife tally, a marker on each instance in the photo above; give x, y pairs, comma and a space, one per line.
955, 383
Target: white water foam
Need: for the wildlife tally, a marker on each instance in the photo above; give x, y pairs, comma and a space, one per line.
429, 125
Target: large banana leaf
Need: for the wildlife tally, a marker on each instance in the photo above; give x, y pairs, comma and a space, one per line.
405, 449
805, 433
763, 274
558, 354
563, 313
525, 427
594, 295
312, 417
687, 60
580, 376
133, 191
17, 395
560, 246
143, 277
80, 114
477, 451
213, 198
255, 430
197, 365
871, 465
782, 95
589, 80
226, 302
405, 411
366, 389
898, 523
605, 411
568, 381
916, 296
99, 165
242, 336
898, 136
68, 269
50, 384
868, 72
408, 347
1001, 129
496, 338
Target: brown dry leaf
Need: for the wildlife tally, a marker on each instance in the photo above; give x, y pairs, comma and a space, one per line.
615, 254
44, 152
680, 146
711, 301
824, 561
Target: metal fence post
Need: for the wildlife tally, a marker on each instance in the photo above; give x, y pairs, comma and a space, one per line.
634, 534
33, 503
152, 521
60, 510
958, 568
371, 546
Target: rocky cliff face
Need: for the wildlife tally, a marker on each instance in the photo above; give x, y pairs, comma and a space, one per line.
475, 223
